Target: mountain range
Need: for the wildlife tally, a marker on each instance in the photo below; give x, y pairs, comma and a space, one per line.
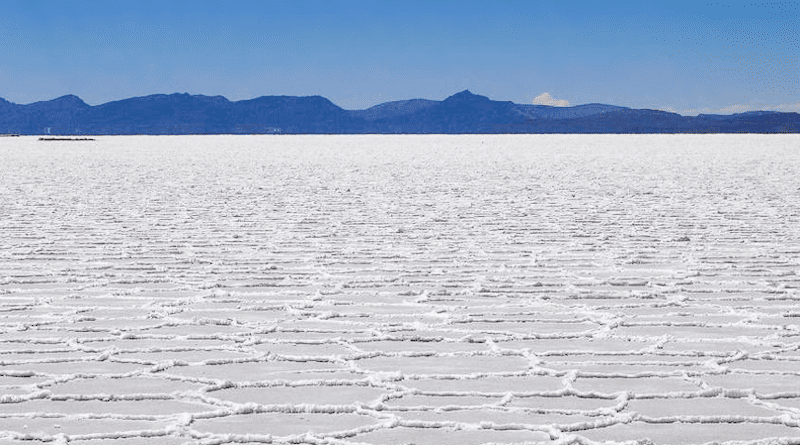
461, 113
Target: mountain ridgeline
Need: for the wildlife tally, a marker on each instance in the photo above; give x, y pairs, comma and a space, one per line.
462, 113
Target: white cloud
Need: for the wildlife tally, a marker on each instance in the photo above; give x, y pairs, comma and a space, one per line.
741, 108
547, 99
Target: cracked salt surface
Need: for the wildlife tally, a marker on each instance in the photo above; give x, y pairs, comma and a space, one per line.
400, 289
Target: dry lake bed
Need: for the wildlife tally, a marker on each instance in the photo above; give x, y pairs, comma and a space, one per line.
428, 290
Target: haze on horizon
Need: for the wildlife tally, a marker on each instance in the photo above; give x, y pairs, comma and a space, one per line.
680, 56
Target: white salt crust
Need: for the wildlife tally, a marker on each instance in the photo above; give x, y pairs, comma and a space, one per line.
343, 290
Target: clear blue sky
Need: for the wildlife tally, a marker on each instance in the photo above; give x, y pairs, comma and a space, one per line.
683, 56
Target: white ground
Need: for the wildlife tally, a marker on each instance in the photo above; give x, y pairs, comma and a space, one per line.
388, 290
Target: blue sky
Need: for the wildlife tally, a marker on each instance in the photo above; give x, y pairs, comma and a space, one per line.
682, 56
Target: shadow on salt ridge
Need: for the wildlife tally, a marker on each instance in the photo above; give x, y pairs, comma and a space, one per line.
139, 440
387, 310
721, 347
629, 365
500, 416
78, 325
527, 328
419, 346
25, 378
53, 335
690, 433
694, 331
433, 334
449, 436
445, 365
123, 408
437, 401
652, 310
521, 314
595, 300
34, 313
70, 426
788, 320
297, 395
790, 366
120, 315
39, 288
251, 371
362, 299
677, 319
283, 424
234, 315
120, 386
136, 284
208, 306
197, 329
327, 350
196, 356
535, 311
77, 367
623, 358
640, 385
144, 343
697, 406
792, 403
563, 403
6, 391
493, 384
761, 383
360, 321
287, 334
32, 357
334, 325
101, 298
322, 377
588, 344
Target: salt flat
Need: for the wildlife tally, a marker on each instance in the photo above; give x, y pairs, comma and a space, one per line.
400, 289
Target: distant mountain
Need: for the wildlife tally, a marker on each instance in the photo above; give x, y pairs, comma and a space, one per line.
461, 113
550, 112
34, 118
177, 114
393, 109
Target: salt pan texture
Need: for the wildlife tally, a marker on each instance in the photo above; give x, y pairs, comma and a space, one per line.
400, 289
